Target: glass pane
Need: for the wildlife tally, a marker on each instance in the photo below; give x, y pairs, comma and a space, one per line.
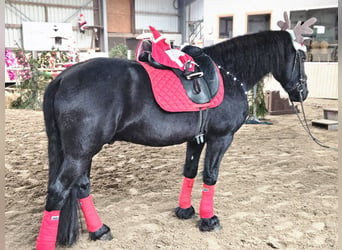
257, 23
226, 27
323, 45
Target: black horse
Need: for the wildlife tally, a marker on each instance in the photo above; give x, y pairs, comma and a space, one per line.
104, 100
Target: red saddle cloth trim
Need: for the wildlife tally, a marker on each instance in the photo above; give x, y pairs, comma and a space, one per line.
170, 94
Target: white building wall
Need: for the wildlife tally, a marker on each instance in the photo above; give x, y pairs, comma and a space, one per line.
322, 80
16, 13
239, 9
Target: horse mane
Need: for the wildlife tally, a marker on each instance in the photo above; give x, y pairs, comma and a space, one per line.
251, 57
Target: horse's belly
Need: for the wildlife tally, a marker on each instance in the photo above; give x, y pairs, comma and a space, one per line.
158, 131
155, 138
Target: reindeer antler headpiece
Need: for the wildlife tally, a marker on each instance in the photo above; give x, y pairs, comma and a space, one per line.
298, 31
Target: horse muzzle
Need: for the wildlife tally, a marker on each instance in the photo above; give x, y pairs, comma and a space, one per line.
299, 93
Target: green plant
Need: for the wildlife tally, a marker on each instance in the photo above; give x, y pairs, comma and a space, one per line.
258, 101
119, 51
44, 57
32, 83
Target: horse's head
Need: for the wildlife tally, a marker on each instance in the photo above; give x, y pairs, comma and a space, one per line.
293, 78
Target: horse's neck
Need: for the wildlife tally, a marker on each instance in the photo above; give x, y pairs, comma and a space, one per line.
250, 57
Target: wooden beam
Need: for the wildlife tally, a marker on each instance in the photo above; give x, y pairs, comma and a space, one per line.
19, 26
49, 5
13, 26
46, 13
156, 13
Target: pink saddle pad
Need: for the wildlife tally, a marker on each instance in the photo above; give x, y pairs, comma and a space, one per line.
170, 95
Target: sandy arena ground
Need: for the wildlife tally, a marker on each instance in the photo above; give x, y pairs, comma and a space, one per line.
277, 189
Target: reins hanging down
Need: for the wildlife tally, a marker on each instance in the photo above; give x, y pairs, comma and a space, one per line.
297, 33
306, 127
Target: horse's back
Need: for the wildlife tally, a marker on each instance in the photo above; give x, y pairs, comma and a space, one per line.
99, 71
99, 80
89, 98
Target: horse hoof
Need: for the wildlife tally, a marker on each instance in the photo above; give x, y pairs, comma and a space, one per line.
102, 234
210, 224
185, 213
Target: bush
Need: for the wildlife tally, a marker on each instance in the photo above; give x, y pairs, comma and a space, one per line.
31, 89
31, 82
119, 51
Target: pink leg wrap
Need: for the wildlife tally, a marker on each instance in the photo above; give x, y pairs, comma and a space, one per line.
47, 236
92, 219
207, 202
185, 195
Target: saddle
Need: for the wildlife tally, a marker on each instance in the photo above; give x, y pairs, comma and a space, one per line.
201, 81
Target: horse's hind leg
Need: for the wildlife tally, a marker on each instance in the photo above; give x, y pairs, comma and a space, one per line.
97, 230
60, 219
193, 153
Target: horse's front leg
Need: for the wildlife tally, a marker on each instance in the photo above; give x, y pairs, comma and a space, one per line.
216, 147
193, 153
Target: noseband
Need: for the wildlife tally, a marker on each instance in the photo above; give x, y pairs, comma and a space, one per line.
299, 85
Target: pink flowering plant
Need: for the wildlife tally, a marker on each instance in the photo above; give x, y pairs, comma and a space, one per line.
45, 58
23, 62
17, 64
31, 81
10, 61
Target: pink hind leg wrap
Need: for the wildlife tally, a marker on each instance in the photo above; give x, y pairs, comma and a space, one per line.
207, 202
92, 219
47, 236
185, 195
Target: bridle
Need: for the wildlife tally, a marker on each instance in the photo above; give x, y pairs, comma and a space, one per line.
299, 88
299, 85
302, 28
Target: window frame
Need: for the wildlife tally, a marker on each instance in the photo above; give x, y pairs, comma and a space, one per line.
229, 35
319, 49
264, 13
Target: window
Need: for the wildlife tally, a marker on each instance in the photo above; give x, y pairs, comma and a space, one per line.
257, 23
323, 45
226, 27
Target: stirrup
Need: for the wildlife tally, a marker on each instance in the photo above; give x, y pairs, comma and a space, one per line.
189, 75
193, 75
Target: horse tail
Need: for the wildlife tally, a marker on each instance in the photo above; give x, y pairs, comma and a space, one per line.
68, 226
55, 152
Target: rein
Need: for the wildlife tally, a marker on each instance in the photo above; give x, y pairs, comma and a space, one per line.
299, 88
306, 127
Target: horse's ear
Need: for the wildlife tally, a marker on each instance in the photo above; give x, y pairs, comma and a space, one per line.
303, 29
284, 25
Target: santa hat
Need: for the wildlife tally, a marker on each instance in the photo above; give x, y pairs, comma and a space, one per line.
159, 39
